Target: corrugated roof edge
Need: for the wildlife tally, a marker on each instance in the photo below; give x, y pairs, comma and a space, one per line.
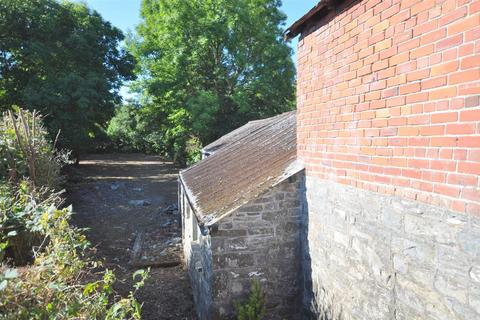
207, 221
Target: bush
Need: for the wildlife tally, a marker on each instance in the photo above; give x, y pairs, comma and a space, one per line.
62, 281
21, 208
254, 307
193, 150
26, 151
59, 284
123, 129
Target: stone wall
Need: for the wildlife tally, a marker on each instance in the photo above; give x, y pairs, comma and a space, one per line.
377, 256
260, 240
198, 258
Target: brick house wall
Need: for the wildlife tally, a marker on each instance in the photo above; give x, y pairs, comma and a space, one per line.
389, 130
388, 100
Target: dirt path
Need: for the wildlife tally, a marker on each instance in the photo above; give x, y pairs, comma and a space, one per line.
119, 197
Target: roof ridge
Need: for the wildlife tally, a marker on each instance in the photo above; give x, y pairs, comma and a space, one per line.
243, 169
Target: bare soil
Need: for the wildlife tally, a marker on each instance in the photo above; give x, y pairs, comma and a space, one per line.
122, 198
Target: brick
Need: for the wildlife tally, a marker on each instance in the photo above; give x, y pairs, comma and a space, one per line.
470, 115
383, 45
422, 51
378, 85
470, 141
464, 25
434, 82
409, 45
396, 101
450, 191
410, 88
472, 35
408, 131
471, 102
389, 12
386, 73
399, 58
422, 6
443, 93
381, 26
445, 68
375, 95
395, 81
466, 49
449, 42
472, 194
464, 76
387, 53
444, 117
461, 128
473, 155
377, 104
406, 67
469, 167
383, 113
433, 37
380, 65
470, 62
453, 16
432, 130
420, 119
365, 70
443, 142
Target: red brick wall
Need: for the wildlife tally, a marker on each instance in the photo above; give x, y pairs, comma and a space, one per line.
388, 100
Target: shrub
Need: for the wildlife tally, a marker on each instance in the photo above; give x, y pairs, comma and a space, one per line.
21, 208
123, 129
62, 281
26, 151
254, 307
193, 150
58, 285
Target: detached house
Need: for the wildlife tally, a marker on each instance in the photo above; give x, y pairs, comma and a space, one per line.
383, 222
241, 215
388, 127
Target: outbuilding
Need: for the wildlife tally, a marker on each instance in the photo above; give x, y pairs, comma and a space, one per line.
242, 219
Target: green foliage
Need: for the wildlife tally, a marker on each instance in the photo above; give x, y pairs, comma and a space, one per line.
21, 208
254, 307
125, 130
62, 59
62, 281
193, 150
207, 67
60, 284
26, 150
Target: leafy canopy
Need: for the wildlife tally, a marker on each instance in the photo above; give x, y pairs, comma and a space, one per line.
62, 59
209, 66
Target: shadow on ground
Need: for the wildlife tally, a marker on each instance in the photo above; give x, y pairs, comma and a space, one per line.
118, 197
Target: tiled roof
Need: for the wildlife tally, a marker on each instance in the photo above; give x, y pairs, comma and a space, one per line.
235, 135
245, 163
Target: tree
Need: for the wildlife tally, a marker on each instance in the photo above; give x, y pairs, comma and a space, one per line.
209, 66
62, 59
